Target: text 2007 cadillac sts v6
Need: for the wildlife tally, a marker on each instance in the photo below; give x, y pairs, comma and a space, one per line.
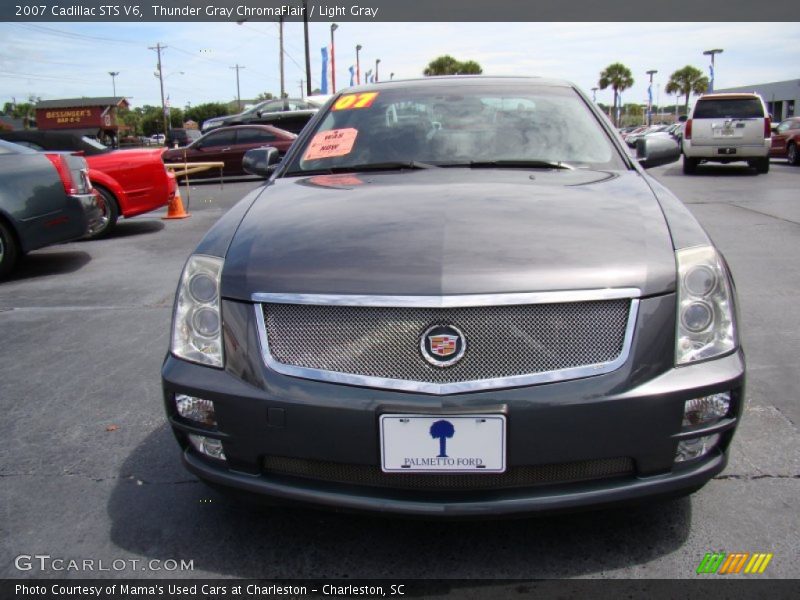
457, 296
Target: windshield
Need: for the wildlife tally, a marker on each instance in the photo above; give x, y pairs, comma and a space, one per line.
517, 125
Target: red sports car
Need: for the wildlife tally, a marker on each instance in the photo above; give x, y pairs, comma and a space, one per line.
131, 182
786, 140
228, 145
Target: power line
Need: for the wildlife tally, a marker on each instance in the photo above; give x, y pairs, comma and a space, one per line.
70, 34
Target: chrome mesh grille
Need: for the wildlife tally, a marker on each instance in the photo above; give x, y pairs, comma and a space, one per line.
514, 477
502, 341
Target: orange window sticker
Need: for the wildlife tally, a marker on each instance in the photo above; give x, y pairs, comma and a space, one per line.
363, 100
334, 142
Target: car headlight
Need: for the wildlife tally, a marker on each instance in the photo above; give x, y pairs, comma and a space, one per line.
706, 323
197, 322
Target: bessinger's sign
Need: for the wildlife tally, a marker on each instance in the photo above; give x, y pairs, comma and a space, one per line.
70, 118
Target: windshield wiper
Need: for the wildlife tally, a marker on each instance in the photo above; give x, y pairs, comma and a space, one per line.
514, 164
383, 166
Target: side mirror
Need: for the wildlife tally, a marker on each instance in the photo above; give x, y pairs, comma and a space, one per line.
258, 113
261, 161
774, 127
656, 151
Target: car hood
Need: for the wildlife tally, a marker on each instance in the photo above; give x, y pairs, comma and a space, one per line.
452, 231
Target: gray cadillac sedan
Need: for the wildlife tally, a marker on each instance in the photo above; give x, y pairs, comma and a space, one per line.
457, 296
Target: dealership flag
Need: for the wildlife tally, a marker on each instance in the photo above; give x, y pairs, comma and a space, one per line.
324, 85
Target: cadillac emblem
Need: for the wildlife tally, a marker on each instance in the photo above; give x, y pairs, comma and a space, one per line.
442, 345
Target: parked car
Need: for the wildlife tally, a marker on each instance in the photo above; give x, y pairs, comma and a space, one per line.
131, 181
157, 139
786, 140
457, 317
727, 128
182, 137
228, 144
288, 114
45, 199
634, 137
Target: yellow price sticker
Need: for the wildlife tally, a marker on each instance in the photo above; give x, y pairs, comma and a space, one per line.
362, 100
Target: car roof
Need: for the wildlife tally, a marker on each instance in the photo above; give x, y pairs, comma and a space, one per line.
461, 80
16, 148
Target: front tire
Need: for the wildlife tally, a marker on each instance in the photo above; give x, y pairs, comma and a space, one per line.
792, 155
110, 214
9, 250
690, 165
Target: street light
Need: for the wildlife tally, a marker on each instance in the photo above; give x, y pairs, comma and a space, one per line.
651, 72
377, 62
712, 53
114, 81
594, 94
358, 64
334, 27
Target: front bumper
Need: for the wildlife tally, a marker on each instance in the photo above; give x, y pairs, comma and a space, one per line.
633, 412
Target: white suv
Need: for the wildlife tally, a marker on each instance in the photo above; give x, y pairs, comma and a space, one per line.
726, 128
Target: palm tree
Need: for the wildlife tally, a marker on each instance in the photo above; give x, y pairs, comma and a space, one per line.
687, 81
619, 77
442, 430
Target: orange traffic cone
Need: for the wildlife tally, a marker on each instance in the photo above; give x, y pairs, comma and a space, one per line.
175, 208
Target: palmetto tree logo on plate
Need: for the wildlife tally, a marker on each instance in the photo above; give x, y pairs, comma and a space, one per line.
443, 430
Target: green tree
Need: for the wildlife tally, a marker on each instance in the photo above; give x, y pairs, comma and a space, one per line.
209, 110
619, 78
447, 65
470, 67
264, 96
687, 81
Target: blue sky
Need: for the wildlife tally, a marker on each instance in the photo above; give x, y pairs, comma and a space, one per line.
58, 60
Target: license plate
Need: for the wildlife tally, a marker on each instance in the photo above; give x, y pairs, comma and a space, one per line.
443, 443
726, 150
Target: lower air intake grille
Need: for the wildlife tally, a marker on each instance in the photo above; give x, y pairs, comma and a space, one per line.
514, 477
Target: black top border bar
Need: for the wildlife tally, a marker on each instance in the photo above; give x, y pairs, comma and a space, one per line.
397, 10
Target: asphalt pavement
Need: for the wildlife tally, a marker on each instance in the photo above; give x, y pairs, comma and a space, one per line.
89, 468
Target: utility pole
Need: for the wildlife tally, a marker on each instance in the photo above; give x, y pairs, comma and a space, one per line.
334, 27
358, 64
238, 95
283, 88
308, 56
158, 48
377, 62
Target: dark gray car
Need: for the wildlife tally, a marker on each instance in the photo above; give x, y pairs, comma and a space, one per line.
457, 297
45, 198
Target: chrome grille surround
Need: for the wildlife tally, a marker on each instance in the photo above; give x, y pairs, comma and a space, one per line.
518, 320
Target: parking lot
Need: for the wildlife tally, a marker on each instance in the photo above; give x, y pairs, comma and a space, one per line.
90, 470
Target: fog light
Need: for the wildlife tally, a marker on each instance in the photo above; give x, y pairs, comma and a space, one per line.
695, 448
698, 411
208, 446
196, 409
